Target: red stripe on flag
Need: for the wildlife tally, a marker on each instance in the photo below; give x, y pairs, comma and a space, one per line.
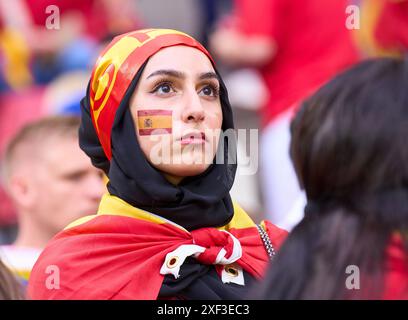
142, 113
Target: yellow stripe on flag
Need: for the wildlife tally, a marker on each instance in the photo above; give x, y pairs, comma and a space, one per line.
154, 122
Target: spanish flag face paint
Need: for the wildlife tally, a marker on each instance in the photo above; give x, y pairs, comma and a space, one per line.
114, 71
154, 121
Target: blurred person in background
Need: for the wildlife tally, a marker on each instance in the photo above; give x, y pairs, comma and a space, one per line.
51, 183
16, 111
63, 95
350, 154
296, 45
43, 38
10, 289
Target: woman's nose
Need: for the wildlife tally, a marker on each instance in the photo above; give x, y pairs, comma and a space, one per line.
193, 109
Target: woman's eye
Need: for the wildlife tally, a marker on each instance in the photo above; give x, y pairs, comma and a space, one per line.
163, 88
209, 91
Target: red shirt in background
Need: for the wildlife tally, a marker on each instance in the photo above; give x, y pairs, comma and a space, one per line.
396, 276
94, 14
391, 31
313, 44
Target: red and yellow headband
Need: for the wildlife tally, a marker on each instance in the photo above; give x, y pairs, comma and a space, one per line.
116, 67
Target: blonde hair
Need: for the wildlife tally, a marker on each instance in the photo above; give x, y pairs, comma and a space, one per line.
33, 136
10, 288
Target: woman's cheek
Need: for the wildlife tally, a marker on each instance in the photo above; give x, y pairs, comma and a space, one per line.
157, 148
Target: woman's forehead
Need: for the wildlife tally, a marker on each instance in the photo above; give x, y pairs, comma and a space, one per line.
182, 58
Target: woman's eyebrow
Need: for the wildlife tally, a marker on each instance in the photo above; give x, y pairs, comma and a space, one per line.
208, 75
168, 72
182, 75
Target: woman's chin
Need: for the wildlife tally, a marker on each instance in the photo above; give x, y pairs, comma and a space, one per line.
182, 170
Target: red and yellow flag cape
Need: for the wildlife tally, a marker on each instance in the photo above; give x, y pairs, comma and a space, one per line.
118, 253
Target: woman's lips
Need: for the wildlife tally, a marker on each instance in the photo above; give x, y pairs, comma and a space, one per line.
193, 138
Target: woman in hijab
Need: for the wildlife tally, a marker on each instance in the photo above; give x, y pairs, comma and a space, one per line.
156, 119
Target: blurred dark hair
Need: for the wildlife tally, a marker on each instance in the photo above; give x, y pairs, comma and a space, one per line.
350, 152
10, 289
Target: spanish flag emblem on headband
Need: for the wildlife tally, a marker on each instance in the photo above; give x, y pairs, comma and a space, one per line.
115, 69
